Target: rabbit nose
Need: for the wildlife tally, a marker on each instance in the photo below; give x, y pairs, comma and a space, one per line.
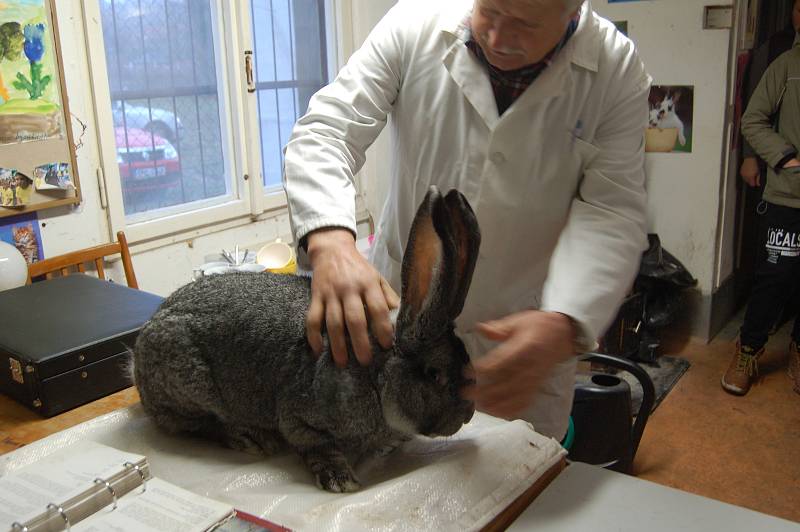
468, 373
470, 411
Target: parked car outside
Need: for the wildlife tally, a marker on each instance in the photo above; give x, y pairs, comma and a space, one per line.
158, 121
146, 161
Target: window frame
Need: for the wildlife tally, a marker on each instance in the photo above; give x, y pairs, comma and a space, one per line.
250, 200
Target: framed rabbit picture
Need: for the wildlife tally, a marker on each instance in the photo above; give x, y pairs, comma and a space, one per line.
37, 156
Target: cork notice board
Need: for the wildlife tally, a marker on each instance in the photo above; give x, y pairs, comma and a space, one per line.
37, 155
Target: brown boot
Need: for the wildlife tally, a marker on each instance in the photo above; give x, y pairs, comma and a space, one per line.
794, 366
742, 371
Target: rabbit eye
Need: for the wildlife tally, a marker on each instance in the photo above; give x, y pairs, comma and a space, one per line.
439, 377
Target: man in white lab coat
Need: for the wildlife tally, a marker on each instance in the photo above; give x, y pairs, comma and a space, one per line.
535, 110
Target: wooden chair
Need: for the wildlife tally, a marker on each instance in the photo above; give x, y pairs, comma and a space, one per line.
77, 259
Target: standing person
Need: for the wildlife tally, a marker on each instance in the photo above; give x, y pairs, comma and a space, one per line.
771, 124
535, 110
752, 167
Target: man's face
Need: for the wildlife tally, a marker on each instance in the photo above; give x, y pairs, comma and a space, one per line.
796, 16
516, 33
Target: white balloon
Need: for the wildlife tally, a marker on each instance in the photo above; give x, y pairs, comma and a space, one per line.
13, 268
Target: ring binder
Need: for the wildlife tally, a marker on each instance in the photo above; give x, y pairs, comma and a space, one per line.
115, 472
128, 478
141, 474
109, 488
62, 512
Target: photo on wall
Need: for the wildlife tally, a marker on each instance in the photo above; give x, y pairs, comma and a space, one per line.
52, 176
15, 188
671, 115
23, 233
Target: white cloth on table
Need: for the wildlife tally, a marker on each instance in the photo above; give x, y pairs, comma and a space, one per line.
456, 483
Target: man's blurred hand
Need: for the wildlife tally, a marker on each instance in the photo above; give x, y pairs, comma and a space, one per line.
508, 377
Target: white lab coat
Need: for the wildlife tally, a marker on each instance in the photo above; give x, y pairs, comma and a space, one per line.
556, 182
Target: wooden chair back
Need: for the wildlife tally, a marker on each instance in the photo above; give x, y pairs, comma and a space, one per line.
78, 260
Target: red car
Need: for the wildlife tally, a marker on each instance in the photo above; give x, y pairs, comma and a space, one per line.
146, 161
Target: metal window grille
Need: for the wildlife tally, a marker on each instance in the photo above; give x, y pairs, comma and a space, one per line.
291, 65
165, 101
165, 98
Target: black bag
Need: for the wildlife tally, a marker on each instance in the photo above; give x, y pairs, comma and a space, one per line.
64, 342
655, 301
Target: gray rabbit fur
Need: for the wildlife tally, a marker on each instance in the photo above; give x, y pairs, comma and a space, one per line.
226, 357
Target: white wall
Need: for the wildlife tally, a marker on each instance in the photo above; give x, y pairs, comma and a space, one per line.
691, 197
683, 189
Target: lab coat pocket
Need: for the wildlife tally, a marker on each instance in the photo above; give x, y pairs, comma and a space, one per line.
585, 151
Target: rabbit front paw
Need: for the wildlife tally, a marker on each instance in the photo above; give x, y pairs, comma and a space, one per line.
331, 470
337, 480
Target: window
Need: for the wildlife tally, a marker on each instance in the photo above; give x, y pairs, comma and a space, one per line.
285, 81
177, 119
161, 58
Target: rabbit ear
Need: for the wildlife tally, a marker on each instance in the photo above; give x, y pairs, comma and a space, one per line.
466, 236
438, 263
422, 258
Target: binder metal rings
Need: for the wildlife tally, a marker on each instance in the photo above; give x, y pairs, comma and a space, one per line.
16, 526
60, 511
109, 488
141, 474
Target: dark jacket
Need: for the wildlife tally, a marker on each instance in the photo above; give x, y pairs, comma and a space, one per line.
779, 90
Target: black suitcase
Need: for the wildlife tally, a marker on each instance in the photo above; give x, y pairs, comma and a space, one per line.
64, 342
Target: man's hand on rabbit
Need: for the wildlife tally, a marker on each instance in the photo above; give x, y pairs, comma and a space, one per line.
346, 291
532, 343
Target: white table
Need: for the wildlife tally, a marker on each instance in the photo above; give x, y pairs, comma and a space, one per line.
586, 497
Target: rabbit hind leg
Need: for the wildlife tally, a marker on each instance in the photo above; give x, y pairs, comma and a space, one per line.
252, 440
208, 426
175, 421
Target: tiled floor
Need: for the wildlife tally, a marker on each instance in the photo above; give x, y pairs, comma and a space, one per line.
741, 450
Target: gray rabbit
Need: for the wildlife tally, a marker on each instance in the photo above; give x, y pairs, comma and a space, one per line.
226, 357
